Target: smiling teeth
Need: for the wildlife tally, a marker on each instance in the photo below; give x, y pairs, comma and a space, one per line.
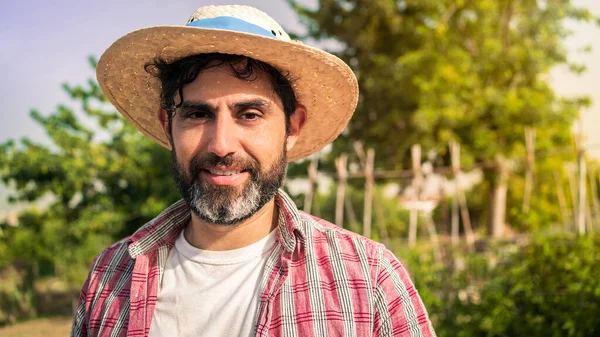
223, 173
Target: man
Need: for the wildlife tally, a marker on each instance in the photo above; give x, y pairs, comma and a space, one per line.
235, 100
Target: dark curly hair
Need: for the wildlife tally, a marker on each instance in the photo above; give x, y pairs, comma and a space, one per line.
175, 75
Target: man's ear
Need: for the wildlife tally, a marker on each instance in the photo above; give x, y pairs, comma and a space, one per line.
163, 117
297, 120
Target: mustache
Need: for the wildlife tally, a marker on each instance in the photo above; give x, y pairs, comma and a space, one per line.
200, 163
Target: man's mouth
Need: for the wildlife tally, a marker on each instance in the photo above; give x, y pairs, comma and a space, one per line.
224, 172
225, 177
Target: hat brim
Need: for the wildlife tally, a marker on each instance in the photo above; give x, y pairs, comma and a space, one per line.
322, 82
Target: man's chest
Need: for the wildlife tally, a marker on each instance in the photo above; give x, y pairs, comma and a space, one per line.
293, 310
320, 297
317, 305
207, 300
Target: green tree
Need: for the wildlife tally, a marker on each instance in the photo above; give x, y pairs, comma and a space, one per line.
104, 181
432, 71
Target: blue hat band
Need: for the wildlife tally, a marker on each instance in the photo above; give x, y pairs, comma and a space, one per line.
233, 24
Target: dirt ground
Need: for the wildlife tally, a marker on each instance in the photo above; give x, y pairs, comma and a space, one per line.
45, 327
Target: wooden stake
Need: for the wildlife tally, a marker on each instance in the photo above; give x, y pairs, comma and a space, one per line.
597, 197
369, 182
562, 201
312, 178
383, 233
445, 209
582, 178
573, 190
588, 216
460, 195
464, 211
529, 167
341, 165
352, 220
416, 184
581, 227
380, 222
437, 252
454, 236
594, 197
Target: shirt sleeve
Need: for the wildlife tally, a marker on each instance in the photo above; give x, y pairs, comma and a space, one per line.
79, 327
399, 310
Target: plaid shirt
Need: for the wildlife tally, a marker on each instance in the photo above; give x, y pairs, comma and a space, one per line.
320, 280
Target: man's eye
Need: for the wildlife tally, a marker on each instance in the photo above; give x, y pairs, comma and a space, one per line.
250, 115
198, 115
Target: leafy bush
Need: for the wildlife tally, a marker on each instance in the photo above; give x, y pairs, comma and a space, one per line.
550, 287
16, 297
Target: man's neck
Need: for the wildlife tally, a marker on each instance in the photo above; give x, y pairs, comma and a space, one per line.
204, 235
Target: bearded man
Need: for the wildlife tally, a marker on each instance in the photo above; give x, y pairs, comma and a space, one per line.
235, 100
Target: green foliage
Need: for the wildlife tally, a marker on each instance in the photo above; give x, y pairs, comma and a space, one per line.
16, 297
547, 288
435, 71
92, 186
474, 72
551, 289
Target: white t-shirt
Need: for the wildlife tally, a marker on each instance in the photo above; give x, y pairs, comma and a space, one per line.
210, 293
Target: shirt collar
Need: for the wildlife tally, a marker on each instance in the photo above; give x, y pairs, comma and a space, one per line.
164, 229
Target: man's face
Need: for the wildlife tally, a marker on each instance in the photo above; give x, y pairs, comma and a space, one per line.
229, 145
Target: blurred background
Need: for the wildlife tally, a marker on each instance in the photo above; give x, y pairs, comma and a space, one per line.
473, 153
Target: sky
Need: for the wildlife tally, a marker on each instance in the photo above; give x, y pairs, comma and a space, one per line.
47, 43
568, 84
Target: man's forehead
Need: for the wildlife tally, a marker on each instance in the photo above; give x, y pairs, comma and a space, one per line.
222, 82
222, 72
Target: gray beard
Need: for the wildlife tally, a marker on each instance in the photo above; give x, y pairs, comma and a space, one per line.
224, 205
227, 210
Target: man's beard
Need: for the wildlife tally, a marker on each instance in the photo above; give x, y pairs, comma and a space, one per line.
228, 205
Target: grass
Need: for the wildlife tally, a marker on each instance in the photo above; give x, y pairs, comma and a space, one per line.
43, 327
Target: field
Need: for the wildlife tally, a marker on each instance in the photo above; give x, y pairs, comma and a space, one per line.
45, 327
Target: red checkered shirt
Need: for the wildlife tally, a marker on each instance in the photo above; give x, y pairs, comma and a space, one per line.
320, 280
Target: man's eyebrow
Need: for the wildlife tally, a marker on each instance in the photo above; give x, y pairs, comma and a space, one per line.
198, 106
252, 103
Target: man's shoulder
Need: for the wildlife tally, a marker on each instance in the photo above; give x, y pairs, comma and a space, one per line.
321, 229
112, 256
108, 267
155, 232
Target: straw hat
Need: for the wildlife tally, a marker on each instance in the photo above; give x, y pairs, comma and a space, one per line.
323, 83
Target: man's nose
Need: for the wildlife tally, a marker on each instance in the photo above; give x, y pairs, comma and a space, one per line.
224, 137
